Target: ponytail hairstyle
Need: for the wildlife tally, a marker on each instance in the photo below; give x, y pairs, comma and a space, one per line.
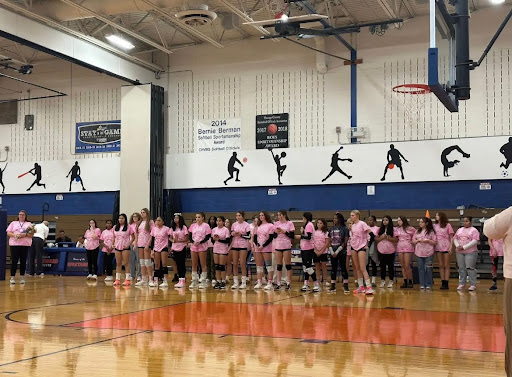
429, 227
284, 213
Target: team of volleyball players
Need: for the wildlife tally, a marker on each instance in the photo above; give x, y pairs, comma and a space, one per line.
146, 241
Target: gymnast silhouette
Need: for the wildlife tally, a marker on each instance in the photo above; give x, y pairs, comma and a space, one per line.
279, 168
394, 157
334, 165
506, 150
450, 164
75, 173
1, 178
36, 171
232, 169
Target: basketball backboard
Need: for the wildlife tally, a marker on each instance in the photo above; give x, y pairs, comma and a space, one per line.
441, 55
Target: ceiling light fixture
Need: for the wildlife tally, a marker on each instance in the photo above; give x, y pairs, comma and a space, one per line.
496, 2
120, 41
284, 17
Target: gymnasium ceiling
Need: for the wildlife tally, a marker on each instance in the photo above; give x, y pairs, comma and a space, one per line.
152, 25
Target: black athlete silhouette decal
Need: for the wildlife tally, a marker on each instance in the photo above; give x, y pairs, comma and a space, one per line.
506, 150
36, 171
232, 169
2, 178
394, 158
335, 166
75, 176
279, 168
450, 164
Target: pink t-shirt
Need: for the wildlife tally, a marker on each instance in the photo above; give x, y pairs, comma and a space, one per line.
465, 236
320, 239
358, 235
282, 241
424, 249
199, 233
144, 236
220, 247
375, 230
19, 227
497, 248
92, 243
123, 238
238, 241
161, 237
308, 244
263, 233
404, 244
182, 235
107, 236
443, 237
386, 246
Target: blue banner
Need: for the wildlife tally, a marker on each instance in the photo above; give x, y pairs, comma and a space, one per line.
98, 137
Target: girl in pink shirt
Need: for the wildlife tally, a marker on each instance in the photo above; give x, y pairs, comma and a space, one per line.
424, 241
373, 254
199, 235
404, 232
240, 236
444, 234
359, 243
264, 233
466, 241
20, 233
307, 252
386, 247
143, 240
92, 236
322, 242
107, 247
221, 238
285, 233
160, 234
178, 233
495, 252
135, 268
124, 236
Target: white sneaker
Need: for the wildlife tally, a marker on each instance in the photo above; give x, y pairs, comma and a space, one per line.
164, 284
202, 285
235, 285
471, 288
214, 282
258, 285
109, 278
89, 277
22, 281
12, 281
390, 284
138, 279
94, 277
243, 285
194, 284
141, 283
327, 284
153, 283
382, 284
41, 275
317, 288
268, 287
305, 288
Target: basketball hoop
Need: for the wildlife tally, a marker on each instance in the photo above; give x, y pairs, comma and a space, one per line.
278, 7
413, 98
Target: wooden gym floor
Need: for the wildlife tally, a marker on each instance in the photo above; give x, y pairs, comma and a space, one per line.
63, 326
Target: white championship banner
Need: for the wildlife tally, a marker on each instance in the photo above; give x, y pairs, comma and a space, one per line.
219, 135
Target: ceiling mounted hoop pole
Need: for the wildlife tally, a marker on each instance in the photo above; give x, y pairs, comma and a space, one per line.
413, 98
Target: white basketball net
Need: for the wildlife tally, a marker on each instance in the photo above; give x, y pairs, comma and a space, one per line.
413, 98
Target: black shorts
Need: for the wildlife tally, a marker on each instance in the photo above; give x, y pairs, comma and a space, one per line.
320, 258
442, 252
283, 250
239, 249
357, 251
122, 250
164, 250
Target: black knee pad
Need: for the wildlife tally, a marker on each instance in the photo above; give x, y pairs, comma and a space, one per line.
222, 267
288, 267
165, 270
217, 267
279, 267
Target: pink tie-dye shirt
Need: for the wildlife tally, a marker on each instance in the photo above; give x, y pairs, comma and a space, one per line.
199, 233
123, 238
263, 232
182, 238
107, 236
223, 234
161, 236
465, 236
424, 249
308, 244
443, 237
282, 241
144, 236
358, 235
404, 244
238, 241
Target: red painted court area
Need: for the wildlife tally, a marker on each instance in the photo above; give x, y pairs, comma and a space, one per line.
450, 330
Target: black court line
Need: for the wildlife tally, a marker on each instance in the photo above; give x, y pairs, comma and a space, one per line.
280, 300
75, 347
315, 341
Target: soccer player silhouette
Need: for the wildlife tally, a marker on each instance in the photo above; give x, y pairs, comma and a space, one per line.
279, 168
231, 168
36, 171
450, 164
2, 178
334, 165
394, 158
506, 150
75, 174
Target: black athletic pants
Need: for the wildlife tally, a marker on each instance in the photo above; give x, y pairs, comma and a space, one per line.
307, 262
92, 261
179, 258
108, 262
387, 260
19, 254
36, 252
374, 266
339, 260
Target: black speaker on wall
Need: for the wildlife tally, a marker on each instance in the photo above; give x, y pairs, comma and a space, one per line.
29, 122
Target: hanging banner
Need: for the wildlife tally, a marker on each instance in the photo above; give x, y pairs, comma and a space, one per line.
272, 131
218, 135
98, 137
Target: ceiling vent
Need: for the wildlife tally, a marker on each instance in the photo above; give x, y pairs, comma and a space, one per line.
196, 15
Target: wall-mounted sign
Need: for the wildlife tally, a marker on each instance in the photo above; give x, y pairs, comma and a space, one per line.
219, 135
272, 131
98, 137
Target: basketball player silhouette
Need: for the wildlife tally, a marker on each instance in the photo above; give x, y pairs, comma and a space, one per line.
75, 173
450, 164
394, 157
279, 168
36, 171
506, 150
231, 168
335, 167
2, 178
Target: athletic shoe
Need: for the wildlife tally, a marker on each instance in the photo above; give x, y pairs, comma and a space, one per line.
317, 288
223, 286
369, 291
117, 282
216, 285
374, 284
153, 284
428, 288
127, 283
493, 288
214, 282
333, 288
405, 285
41, 275
345, 288
89, 277
109, 278
141, 283
180, 283
164, 284
22, 281
243, 285
194, 284
202, 285
327, 284
471, 288
12, 281
269, 286
305, 288
390, 284
359, 290
382, 284
460, 287
138, 279
410, 285
422, 288
235, 285
277, 287
94, 277
258, 285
